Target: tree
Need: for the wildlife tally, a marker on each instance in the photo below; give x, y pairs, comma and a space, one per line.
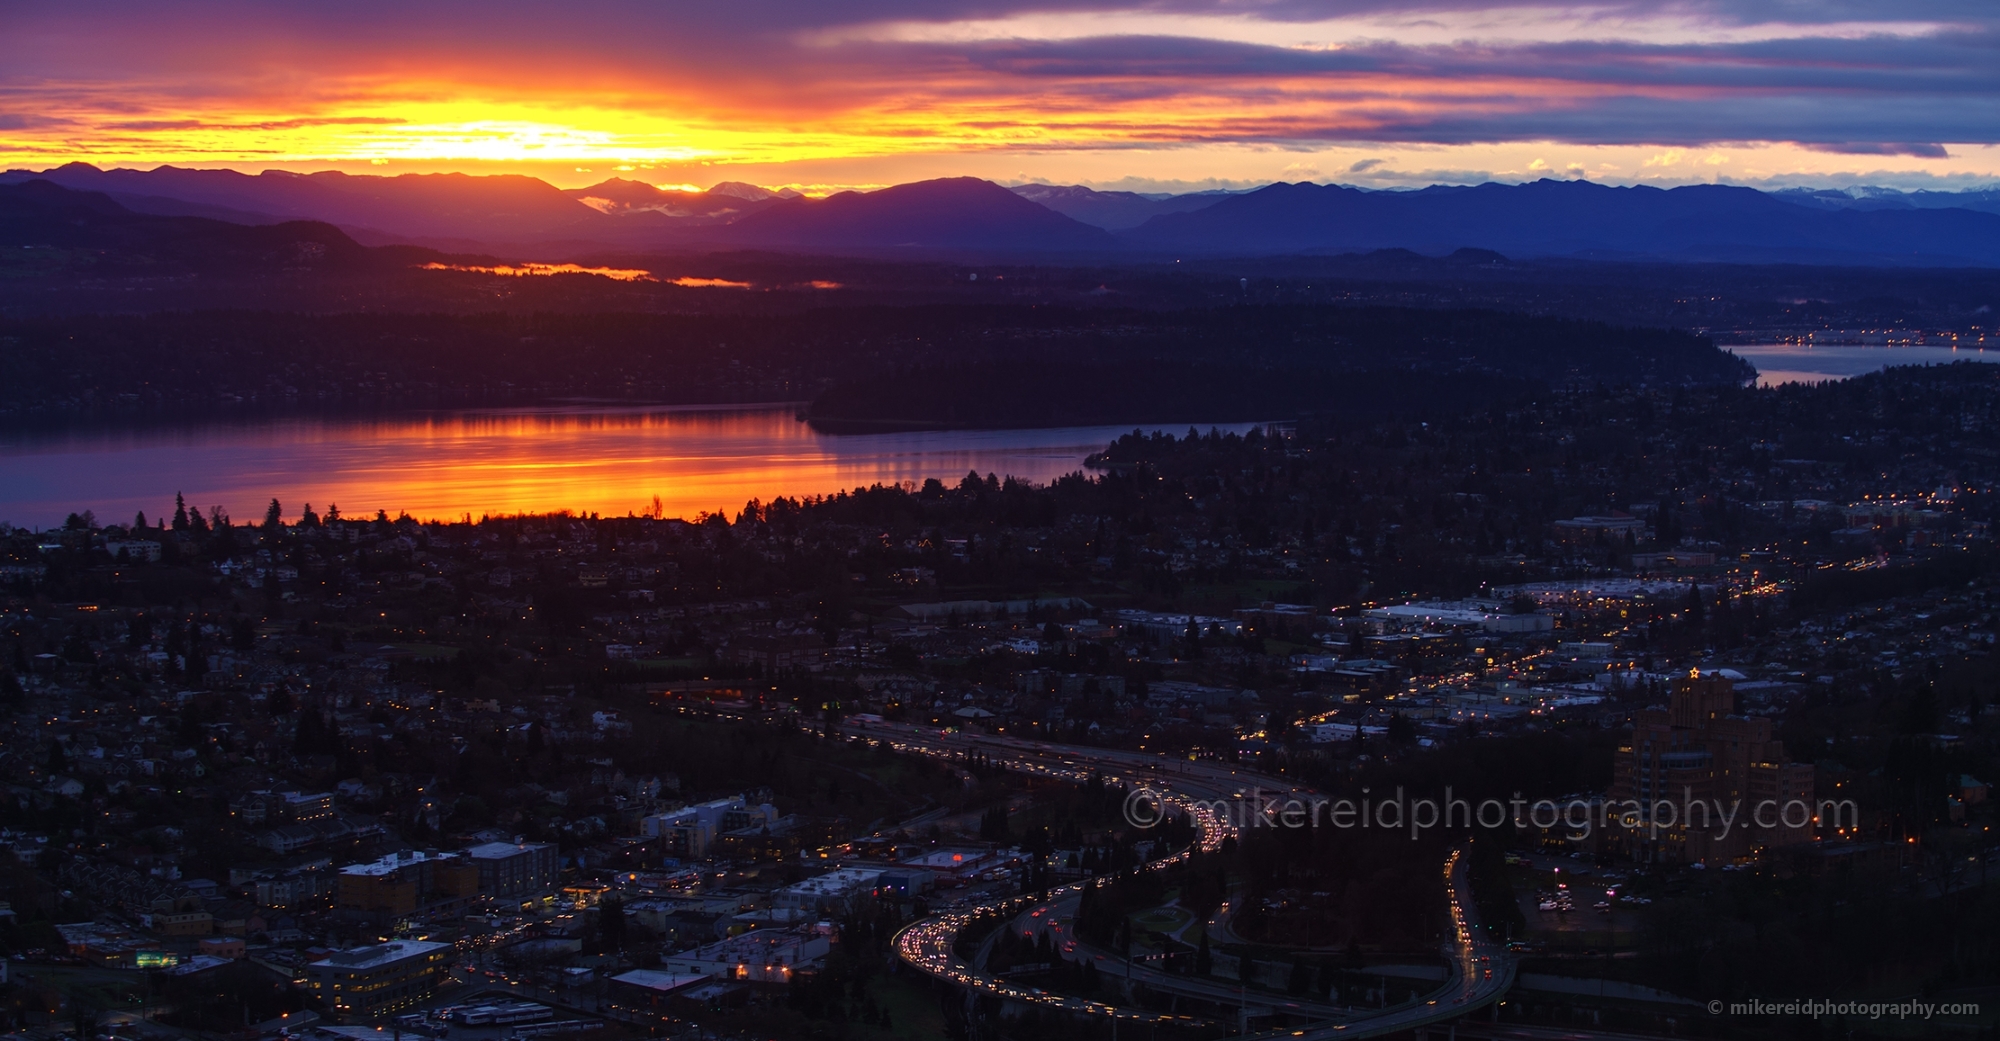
181, 513
274, 517
611, 924
1204, 959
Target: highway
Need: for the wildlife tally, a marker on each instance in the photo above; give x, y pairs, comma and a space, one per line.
1058, 913
1480, 971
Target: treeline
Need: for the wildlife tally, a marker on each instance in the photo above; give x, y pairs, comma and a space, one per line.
958, 365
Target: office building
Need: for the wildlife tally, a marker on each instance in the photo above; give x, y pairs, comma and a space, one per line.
366, 982
516, 869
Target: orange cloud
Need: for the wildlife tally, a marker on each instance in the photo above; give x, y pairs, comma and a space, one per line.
606, 85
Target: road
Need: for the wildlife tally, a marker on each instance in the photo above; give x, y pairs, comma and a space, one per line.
1480, 971
1057, 914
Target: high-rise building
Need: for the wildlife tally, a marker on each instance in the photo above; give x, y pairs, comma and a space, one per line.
1709, 784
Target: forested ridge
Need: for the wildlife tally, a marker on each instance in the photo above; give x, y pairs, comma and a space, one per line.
928, 365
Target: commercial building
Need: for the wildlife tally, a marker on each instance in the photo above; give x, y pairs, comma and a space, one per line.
406, 882
956, 867
1468, 614
651, 988
1588, 532
688, 832
758, 956
667, 993
515, 869
365, 982
837, 892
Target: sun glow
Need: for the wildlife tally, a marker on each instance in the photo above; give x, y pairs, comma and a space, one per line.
840, 101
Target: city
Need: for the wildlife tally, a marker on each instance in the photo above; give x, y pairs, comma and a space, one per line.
603, 772
1026, 520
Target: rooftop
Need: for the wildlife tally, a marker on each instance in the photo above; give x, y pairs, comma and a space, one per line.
501, 850
654, 979
382, 954
388, 865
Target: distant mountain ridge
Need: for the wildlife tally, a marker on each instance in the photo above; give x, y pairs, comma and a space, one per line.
1573, 218
950, 213
1548, 218
1984, 200
1112, 211
724, 203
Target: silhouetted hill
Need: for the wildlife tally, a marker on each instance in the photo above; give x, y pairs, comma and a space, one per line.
946, 214
500, 208
527, 217
1113, 211
727, 202
45, 228
1559, 218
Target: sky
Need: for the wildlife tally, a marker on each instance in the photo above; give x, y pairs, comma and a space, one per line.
1171, 95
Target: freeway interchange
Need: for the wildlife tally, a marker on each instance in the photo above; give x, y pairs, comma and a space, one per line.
1479, 971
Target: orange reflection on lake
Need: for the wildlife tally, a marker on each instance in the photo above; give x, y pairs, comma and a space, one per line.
447, 465
622, 274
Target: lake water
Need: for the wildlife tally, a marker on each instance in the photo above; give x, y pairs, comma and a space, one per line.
446, 465
1796, 363
606, 460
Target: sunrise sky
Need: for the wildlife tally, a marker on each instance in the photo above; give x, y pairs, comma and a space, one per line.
1154, 96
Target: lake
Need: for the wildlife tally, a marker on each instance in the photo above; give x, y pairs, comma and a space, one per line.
1802, 363
446, 465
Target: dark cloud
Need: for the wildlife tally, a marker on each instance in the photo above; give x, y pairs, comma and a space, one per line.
1921, 151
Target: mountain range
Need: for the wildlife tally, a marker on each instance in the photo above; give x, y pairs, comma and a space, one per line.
1549, 218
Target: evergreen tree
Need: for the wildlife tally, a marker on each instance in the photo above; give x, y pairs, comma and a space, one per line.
181, 513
